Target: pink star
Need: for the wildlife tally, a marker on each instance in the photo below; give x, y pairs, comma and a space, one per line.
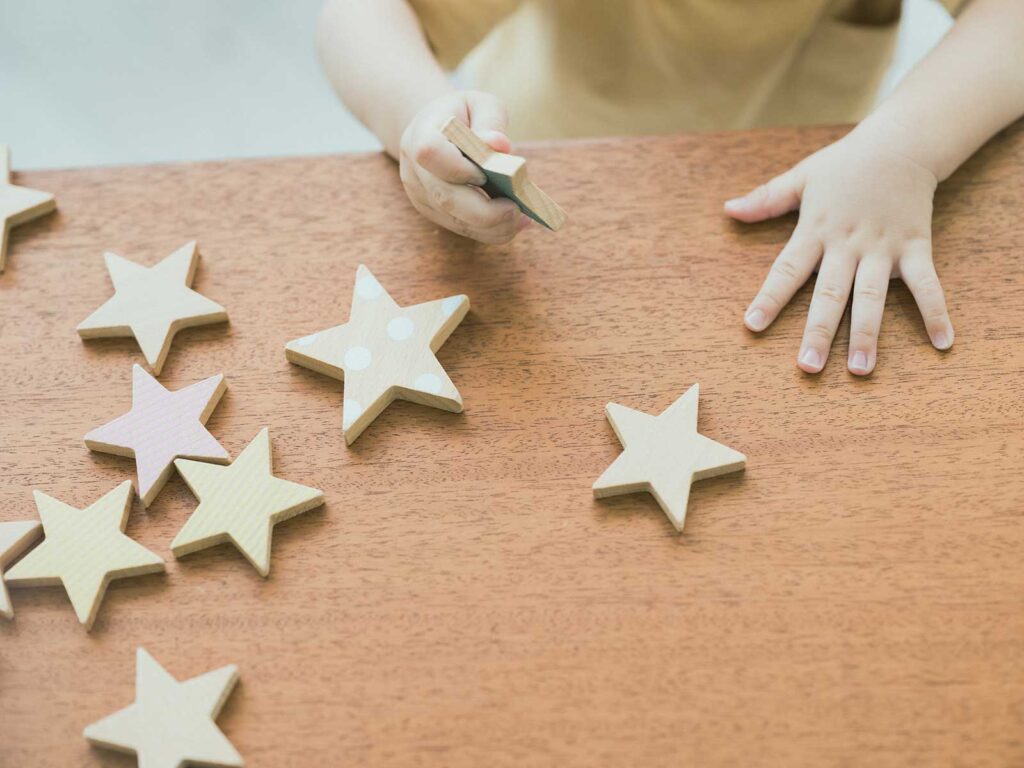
162, 426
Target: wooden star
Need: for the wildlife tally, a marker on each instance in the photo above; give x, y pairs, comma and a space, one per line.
171, 723
663, 455
506, 175
152, 304
84, 550
15, 538
18, 205
384, 352
161, 427
241, 503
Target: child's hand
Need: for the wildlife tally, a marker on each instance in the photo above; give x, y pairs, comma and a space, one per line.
441, 182
865, 217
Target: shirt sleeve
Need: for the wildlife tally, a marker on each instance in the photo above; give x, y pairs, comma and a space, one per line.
954, 6
454, 27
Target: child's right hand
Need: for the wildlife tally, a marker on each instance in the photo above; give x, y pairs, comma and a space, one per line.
442, 184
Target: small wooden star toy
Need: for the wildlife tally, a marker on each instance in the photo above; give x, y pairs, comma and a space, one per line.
18, 205
84, 549
663, 455
241, 503
384, 352
15, 538
161, 427
506, 175
171, 723
152, 304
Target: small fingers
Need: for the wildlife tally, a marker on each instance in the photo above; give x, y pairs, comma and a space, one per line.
870, 287
780, 195
432, 152
831, 292
465, 210
918, 272
489, 119
468, 204
791, 269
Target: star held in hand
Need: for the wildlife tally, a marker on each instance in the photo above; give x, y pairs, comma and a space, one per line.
18, 205
171, 723
241, 503
384, 352
663, 455
152, 304
84, 549
161, 427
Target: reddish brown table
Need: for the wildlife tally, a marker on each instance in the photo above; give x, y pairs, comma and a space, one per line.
856, 597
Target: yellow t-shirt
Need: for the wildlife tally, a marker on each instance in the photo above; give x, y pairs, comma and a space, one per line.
607, 67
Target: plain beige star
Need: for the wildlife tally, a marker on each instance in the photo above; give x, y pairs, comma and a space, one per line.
152, 304
84, 549
664, 455
18, 205
171, 723
384, 352
241, 503
15, 538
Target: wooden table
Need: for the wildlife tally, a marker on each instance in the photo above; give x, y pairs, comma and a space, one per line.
856, 597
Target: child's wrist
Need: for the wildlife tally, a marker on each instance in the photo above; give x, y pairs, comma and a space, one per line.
404, 108
880, 129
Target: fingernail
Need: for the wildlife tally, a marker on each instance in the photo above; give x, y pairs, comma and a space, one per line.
736, 203
941, 341
756, 320
859, 362
811, 359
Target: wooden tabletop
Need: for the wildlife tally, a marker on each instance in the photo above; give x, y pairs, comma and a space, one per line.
855, 597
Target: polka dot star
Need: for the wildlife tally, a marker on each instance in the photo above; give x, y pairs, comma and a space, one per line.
171, 723
663, 455
152, 304
84, 549
18, 205
162, 426
384, 352
241, 503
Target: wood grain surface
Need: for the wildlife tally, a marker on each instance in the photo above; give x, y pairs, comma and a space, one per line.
855, 597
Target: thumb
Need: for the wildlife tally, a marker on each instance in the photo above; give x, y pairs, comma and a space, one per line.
780, 195
488, 119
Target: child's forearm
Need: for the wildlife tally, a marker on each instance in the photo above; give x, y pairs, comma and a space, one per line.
378, 60
962, 93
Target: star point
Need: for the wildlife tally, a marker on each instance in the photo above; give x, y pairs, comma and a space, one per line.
384, 352
663, 455
241, 503
84, 550
161, 426
171, 723
15, 538
152, 303
18, 205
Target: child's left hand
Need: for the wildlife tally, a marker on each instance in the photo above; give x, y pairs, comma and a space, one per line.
865, 217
